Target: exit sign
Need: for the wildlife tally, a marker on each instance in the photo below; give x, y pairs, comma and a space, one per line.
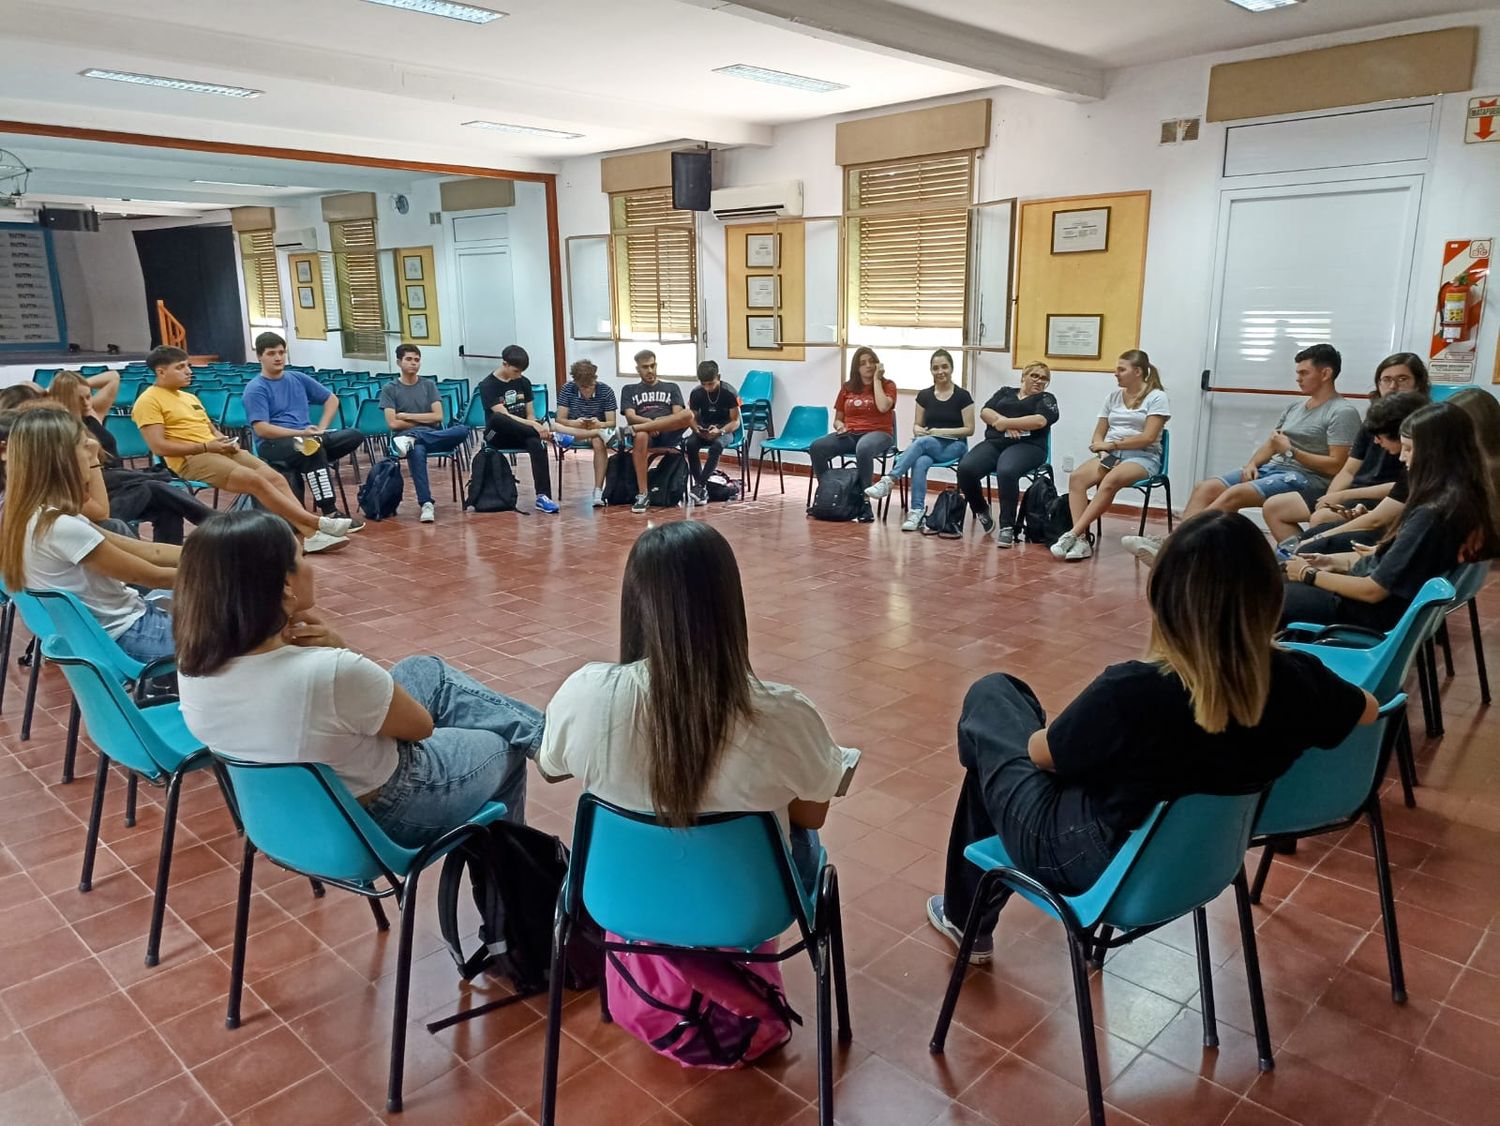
1483, 124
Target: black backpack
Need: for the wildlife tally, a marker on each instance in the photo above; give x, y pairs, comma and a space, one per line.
839, 496
619, 479
515, 873
1044, 515
719, 486
380, 495
666, 482
492, 483
946, 517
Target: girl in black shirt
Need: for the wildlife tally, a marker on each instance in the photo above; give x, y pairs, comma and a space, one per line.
944, 419
1015, 443
1448, 518
1213, 708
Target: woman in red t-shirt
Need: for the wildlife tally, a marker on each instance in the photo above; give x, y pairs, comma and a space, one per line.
864, 419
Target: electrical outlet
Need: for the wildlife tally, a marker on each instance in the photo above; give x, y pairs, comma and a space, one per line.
1067, 465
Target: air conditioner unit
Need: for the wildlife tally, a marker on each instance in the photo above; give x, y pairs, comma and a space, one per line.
304, 239
757, 202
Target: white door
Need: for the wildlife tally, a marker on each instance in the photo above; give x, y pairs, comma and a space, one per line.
1301, 265
487, 308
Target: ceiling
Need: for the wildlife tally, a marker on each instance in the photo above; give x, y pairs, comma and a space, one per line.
351, 76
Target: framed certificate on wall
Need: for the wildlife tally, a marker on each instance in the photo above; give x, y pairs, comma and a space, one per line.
1074, 335
762, 292
762, 332
1080, 230
762, 252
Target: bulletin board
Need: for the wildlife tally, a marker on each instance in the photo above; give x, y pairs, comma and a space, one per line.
786, 279
1107, 283
309, 297
416, 294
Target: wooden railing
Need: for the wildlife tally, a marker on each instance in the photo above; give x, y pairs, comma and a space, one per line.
173, 334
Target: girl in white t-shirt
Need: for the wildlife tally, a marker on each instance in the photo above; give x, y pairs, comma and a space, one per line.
682, 726
264, 678
1127, 447
47, 544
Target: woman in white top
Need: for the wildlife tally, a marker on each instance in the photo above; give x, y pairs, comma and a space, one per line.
682, 726
263, 678
47, 544
1127, 445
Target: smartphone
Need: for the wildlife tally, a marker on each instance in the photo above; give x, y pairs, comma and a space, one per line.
851, 761
1109, 460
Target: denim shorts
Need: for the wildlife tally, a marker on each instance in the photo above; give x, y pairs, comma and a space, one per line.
1273, 482
1151, 459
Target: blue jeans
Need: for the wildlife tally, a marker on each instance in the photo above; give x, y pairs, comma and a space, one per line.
426, 442
477, 754
922, 455
806, 854
149, 637
1273, 481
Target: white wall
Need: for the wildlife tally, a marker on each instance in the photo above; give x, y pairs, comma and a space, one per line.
1041, 147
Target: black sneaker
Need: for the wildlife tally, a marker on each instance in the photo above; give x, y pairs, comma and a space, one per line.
986, 521
866, 515
641, 503
984, 944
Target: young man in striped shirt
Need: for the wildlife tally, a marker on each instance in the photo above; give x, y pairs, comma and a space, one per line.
586, 413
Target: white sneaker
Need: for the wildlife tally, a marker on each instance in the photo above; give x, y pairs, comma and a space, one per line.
335, 526
1079, 550
429, 513
598, 498
880, 490
913, 519
1064, 545
402, 444
322, 541
1143, 548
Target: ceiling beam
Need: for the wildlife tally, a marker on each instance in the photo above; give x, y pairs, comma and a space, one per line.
905, 32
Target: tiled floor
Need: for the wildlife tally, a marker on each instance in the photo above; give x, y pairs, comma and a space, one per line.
885, 631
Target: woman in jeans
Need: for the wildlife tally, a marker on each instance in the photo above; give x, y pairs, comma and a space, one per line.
1215, 707
1017, 423
944, 421
864, 421
264, 678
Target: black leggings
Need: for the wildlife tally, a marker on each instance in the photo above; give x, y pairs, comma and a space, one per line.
286, 455
138, 496
1305, 603
506, 433
1009, 460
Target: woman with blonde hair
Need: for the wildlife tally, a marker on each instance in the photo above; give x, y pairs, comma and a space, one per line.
122, 494
1127, 445
47, 544
1215, 707
1017, 423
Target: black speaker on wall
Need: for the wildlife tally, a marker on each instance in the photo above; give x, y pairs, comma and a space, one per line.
692, 179
69, 219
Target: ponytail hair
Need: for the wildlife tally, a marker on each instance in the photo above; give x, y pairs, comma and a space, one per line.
1142, 363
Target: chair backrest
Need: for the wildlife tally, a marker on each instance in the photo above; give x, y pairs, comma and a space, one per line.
805, 424
93, 369
113, 719
1327, 785
1440, 391
474, 415
42, 377
1166, 452
370, 421
32, 613
129, 443
758, 387
1468, 580
234, 417
540, 408
214, 399
725, 881
1397, 653
75, 623
300, 815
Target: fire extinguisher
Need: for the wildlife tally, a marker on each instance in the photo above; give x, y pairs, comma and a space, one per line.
1454, 306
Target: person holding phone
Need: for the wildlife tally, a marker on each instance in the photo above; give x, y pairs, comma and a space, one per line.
716, 416
940, 432
864, 421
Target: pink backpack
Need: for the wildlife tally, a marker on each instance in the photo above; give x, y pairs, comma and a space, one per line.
700, 1011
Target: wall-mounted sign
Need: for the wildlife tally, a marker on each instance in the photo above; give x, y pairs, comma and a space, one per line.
1460, 304
1484, 120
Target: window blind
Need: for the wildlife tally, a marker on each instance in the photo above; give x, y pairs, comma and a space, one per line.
262, 284
661, 265
356, 268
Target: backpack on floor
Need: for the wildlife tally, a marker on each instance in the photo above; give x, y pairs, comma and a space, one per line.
946, 517
839, 496
1043, 516
700, 1011
667, 482
492, 483
619, 479
720, 486
515, 873
380, 495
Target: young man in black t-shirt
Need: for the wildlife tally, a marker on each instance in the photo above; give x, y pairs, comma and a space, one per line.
656, 416
716, 415
510, 422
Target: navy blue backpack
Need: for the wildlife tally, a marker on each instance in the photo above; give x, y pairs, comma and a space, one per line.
380, 495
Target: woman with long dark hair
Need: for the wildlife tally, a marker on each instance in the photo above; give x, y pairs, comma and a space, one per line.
1448, 518
864, 419
264, 677
940, 432
1214, 707
681, 725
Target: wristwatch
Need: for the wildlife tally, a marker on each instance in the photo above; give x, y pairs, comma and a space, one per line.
1310, 576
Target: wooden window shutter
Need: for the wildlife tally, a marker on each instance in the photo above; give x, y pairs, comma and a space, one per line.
661, 264
913, 266
356, 268
262, 284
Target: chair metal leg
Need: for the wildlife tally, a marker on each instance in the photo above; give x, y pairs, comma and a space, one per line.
132, 781
36, 668
1101, 946
1205, 979
1084, 1003
1262, 870
1484, 676
836, 945
1437, 696
241, 929
7, 631
408, 899
1166, 487
70, 753
1447, 643
381, 922
1406, 765
560, 935
984, 897
318, 889
1252, 972
96, 814
1145, 508
163, 868
1387, 901
825, 1034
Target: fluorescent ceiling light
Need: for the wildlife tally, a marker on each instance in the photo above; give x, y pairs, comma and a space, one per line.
236, 184
780, 78
1263, 5
528, 130
182, 84
468, 13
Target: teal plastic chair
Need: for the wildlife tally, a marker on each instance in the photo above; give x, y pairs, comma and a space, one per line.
757, 393
214, 400
1380, 662
130, 391
1184, 855
129, 443
93, 369
20, 603
539, 412
42, 377
150, 740
722, 886
1467, 582
304, 819
370, 421
1160, 480
804, 426
1329, 790
234, 421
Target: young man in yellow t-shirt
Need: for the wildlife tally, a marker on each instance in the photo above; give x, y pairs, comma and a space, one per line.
177, 428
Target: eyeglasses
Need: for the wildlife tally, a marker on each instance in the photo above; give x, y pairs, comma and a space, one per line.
1397, 381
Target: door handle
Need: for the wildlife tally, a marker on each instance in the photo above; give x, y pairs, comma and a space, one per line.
1202, 383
